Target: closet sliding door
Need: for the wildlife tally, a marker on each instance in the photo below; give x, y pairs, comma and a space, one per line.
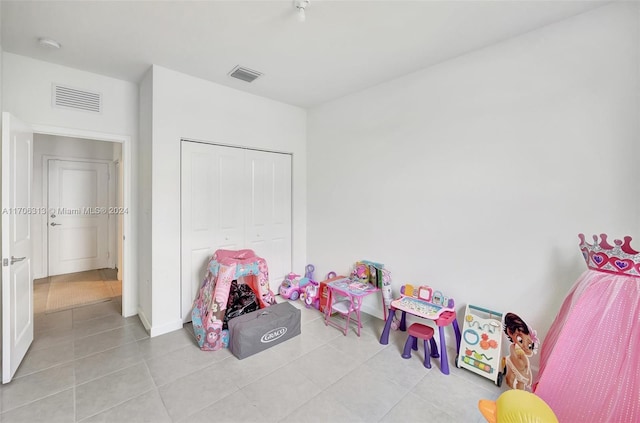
268, 211
233, 198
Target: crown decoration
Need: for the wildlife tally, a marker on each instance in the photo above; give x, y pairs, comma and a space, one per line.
619, 259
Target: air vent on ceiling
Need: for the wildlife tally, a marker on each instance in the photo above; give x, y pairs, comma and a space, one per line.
72, 98
244, 74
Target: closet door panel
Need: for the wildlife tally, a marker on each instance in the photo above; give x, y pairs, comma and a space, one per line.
258, 197
211, 211
281, 204
232, 199
269, 211
197, 214
280, 233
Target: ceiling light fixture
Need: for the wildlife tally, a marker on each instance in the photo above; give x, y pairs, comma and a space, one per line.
49, 42
301, 5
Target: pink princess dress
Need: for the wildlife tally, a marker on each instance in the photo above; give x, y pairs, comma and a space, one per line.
590, 359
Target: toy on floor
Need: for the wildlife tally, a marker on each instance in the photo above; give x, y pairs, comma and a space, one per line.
292, 286
589, 362
425, 303
323, 290
480, 348
210, 306
524, 343
515, 406
308, 272
312, 295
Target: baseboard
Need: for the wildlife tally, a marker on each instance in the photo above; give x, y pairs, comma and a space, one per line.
372, 311
144, 320
166, 328
159, 329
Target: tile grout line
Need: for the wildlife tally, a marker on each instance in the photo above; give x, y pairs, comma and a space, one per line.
116, 405
109, 373
104, 351
157, 388
4, 411
121, 402
44, 369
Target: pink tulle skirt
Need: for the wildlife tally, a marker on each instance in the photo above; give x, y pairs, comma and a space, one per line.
590, 359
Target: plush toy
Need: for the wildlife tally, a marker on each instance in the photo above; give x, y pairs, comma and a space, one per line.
524, 343
517, 407
361, 272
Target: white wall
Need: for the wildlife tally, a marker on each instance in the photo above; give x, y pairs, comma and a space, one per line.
476, 175
27, 94
144, 199
1, 67
187, 107
1, 109
27, 86
49, 146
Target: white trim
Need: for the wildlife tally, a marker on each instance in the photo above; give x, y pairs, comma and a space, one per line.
144, 320
129, 282
111, 240
80, 133
118, 221
242, 147
158, 330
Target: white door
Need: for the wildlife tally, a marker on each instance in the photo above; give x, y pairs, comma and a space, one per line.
233, 198
17, 283
212, 210
78, 220
268, 211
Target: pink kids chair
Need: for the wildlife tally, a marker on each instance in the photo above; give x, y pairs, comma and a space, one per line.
424, 332
346, 306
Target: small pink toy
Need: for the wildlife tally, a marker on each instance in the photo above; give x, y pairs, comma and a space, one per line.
290, 287
312, 295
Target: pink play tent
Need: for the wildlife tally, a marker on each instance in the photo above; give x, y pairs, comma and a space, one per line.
589, 362
211, 303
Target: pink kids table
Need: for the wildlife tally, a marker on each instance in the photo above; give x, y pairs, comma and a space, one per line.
442, 316
345, 297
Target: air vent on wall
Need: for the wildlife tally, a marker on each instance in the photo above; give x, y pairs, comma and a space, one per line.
244, 74
72, 98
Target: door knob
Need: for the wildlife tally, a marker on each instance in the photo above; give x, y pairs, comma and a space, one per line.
56, 224
17, 259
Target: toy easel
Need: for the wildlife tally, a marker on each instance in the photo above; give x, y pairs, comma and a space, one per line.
480, 347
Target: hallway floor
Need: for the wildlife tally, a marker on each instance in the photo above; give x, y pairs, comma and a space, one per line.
90, 364
61, 292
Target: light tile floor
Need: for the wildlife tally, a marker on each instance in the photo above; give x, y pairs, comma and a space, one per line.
90, 364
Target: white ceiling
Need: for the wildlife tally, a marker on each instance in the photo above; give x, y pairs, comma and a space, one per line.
343, 47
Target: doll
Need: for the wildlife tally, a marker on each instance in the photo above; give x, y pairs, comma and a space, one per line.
524, 344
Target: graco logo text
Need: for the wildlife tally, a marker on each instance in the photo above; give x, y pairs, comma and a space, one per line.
273, 335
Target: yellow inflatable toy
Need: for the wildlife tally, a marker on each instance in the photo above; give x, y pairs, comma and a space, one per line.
517, 406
